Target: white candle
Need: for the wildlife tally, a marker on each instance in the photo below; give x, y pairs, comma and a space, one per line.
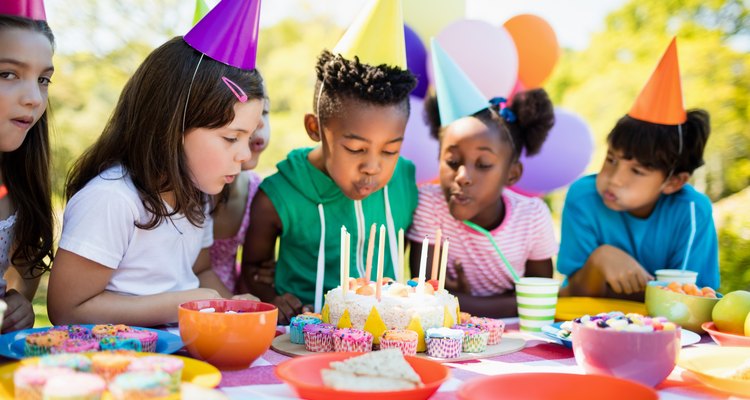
347, 264
370, 251
436, 254
381, 254
443, 265
423, 264
401, 273
344, 280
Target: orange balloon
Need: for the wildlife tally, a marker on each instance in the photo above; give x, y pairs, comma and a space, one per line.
538, 49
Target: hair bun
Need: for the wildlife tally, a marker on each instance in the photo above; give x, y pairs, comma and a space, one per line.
535, 117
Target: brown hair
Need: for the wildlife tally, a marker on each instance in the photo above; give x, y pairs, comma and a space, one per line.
145, 132
26, 174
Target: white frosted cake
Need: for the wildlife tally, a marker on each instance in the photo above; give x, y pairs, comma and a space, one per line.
400, 307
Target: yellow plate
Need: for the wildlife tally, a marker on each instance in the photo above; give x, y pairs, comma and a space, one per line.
573, 307
195, 372
711, 365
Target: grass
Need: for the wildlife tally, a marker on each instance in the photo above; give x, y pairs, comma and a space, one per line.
40, 304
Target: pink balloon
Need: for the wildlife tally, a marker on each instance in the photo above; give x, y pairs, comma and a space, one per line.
564, 157
419, 147
485, 52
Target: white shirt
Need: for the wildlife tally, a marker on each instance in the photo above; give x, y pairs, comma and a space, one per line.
99, 224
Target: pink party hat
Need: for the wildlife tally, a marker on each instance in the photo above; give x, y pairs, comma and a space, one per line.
229, 33
31, 9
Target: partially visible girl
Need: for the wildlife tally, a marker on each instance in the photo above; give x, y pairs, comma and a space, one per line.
26, 222
137, 228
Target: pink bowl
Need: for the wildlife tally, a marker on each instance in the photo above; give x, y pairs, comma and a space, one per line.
645, 357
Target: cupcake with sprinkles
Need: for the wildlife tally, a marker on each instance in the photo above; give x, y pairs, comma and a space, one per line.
41, 343
29, 380
140, 385
403, 339
118, 343
76, 362
107, 330
172, 366
318, 337
147, 338
109, 364
74, 331
76, 346
475, 339
495, 327
444, 342
465, 317
351, 339
298, 323
76, 386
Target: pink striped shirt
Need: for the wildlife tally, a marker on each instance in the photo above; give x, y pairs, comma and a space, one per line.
526, 233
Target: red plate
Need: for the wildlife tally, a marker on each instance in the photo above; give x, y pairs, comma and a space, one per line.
553, 386
724, 338
303, 374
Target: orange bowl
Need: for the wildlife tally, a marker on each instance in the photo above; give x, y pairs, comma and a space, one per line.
227, 340
724, 338
569, 386
303, 375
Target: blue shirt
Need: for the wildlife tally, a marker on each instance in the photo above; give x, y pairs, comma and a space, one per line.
657, 242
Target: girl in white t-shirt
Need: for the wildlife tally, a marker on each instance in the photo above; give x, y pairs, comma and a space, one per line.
26, 223
136, 230
479, 157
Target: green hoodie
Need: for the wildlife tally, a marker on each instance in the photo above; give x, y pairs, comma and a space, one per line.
297, 190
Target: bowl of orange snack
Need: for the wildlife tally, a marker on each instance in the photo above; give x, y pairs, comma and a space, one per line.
682, 303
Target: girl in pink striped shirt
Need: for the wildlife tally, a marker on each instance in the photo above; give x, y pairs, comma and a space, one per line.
479, 157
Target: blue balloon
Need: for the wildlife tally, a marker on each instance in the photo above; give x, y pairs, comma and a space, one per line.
416, 60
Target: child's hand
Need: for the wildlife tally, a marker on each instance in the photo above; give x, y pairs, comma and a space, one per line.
289, 305
245, 296
621, 271
19, 314
460, 284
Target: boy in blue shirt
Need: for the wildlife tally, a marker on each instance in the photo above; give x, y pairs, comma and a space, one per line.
637, 214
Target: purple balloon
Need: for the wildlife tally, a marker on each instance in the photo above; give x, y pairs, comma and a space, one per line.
416, 60
419, 147
564, 156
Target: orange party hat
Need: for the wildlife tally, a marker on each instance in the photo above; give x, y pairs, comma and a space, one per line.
660, 101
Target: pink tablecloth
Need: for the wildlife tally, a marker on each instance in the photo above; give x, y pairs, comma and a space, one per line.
539, 355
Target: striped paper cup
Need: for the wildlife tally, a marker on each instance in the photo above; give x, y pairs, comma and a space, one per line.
537, 299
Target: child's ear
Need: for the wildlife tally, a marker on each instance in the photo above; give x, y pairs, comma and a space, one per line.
514, 174
311, 126
675, 183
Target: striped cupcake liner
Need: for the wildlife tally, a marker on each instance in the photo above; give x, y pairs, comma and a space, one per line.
33, 350
344, 344
408, 348
318, 343
296, 334
495, 335
475, 343
444, 347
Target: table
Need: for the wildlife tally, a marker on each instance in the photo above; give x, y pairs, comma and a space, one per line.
539, 355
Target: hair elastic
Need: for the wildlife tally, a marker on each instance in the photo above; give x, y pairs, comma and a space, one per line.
502, 105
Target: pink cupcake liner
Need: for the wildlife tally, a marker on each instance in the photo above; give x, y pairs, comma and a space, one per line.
496, 335
444, 347
319, 343
346, 344
408, 348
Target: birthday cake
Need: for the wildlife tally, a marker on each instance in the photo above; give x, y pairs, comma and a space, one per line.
400, 307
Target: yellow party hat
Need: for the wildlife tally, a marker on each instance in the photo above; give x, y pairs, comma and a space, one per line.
376, 36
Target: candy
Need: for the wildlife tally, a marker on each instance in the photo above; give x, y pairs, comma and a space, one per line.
623, 322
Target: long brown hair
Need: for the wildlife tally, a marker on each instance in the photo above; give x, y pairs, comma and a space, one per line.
26, 174
145, 132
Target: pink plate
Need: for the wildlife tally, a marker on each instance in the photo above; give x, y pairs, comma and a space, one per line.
724, 338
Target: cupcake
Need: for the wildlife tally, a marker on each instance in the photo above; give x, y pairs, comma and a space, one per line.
74, 331
351, 339
75, 362
76, 346
465, 317
140, 385
444, 342
402, 339
118, 343
107, 330
495, 327
318, 337
29, 380
298, 323
40, 343
109, 364
172, 366
475, 339
147, 338
75, 386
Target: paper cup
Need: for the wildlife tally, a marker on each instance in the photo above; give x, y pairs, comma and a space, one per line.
676, 275
537, 299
